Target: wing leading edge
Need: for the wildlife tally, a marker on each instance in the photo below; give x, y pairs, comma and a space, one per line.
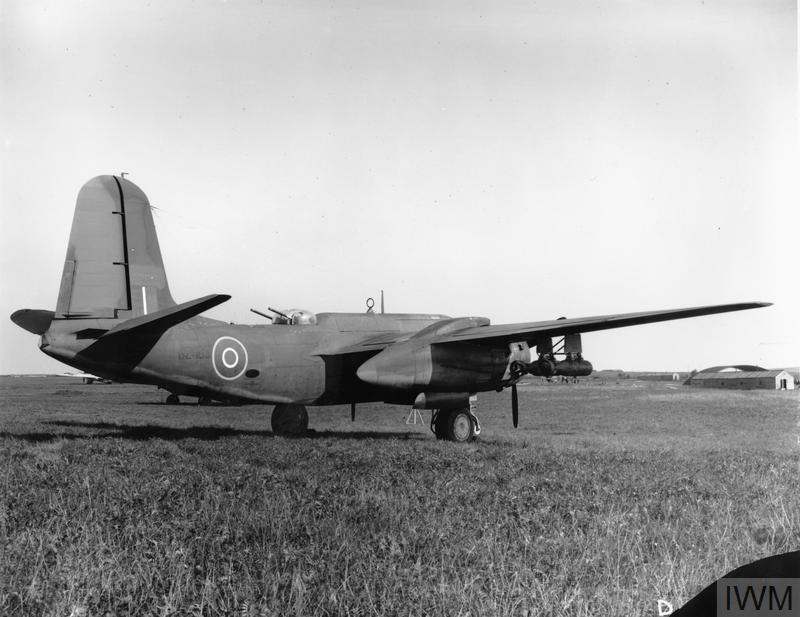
531, 331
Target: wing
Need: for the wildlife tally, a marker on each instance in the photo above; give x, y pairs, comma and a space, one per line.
532, 331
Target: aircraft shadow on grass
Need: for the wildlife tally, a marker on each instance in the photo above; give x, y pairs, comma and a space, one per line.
140, 432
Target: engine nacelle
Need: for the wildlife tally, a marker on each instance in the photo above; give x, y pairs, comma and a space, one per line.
455, 367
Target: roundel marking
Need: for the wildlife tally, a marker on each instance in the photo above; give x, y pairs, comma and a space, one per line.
229, 357
232, 363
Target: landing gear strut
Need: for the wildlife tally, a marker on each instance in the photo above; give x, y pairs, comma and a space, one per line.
459, 425
289, 420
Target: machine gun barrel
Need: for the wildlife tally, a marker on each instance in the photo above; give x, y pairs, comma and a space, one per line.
278, 312
252, 310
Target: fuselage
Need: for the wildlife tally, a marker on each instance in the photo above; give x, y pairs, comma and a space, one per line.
245, 363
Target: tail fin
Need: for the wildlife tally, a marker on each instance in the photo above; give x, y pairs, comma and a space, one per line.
113, 267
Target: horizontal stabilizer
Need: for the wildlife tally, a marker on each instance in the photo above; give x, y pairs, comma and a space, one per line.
33, 320
160, 321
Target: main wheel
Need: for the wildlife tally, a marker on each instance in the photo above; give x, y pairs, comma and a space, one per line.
173, 399
460, 426
289, 419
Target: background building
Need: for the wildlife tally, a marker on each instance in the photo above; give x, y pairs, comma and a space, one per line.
742, 377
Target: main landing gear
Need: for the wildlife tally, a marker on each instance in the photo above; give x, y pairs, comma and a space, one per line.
289, 420
459, 424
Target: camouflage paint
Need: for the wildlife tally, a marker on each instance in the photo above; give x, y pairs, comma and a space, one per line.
115, 318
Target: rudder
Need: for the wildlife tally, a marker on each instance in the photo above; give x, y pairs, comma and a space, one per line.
113, 268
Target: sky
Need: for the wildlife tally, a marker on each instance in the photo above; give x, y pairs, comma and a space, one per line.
517, 160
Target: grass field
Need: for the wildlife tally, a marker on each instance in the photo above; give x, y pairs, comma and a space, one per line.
606, 499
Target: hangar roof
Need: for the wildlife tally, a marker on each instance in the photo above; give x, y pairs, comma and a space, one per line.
738, 375
737, 367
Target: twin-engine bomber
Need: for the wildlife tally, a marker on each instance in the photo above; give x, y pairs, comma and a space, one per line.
115, 318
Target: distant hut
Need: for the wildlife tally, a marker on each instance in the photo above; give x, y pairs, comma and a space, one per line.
742, 377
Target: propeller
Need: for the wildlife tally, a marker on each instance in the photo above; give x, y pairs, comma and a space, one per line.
352, 412
514, 406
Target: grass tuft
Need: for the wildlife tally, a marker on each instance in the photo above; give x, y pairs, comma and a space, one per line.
606, 500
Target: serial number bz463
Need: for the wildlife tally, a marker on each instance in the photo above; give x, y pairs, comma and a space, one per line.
202, 354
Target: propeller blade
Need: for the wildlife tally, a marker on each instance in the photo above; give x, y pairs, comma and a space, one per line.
352, 412
514, 406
